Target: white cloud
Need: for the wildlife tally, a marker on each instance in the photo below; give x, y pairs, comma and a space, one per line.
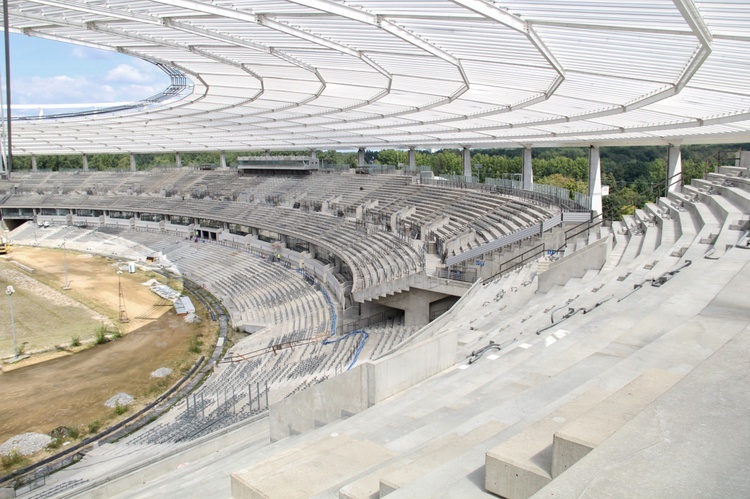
65, 89
125, 73
90, 54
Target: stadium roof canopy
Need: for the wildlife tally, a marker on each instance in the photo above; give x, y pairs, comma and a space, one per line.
328, 74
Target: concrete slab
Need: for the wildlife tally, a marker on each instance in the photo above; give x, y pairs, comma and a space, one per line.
302, 473
691, 442
522, 465
582, 435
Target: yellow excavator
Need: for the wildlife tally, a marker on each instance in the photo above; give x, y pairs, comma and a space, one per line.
4, 246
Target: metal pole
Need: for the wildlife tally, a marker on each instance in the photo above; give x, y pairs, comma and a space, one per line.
9, 290
9, 163
65, 264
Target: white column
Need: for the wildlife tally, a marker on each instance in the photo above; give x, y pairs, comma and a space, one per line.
268, 153
527, 179
412, 157
85, 162
674, 169
361, 156
595, 180
313, 154
178, 159
223, 159
132, 162
467, 161
33, 163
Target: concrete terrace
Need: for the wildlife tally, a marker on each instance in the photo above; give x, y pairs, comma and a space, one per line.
624, 353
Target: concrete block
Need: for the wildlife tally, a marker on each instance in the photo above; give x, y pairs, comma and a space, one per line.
581, 436
522, 465
435, 454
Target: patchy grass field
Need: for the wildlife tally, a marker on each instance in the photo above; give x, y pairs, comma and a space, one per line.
67, 386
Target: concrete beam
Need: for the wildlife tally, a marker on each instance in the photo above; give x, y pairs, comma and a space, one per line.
132, 162
412, 157
595, 180
528, 172
33, 163
85, 158
415, 303
361, 156
178, 159
223, 159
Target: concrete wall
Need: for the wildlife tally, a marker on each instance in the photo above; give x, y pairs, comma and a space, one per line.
362, 387
591, 257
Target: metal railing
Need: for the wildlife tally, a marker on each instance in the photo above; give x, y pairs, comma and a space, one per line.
518, 261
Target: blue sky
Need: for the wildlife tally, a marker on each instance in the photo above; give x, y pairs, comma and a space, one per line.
48, 72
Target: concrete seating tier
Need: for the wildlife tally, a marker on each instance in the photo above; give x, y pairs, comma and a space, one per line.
602, 375
523, 414
393, 194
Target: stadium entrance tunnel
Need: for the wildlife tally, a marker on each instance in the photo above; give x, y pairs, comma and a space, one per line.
14, 223
415, 303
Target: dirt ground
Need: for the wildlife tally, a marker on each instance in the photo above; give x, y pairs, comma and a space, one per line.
70, 390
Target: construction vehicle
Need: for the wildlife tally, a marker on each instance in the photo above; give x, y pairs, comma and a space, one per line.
4, 245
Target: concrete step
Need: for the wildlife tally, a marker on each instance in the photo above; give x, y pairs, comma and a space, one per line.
521, 466
580, 436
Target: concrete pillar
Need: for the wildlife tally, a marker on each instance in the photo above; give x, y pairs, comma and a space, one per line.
412, 157
268, 152
132, 162
527, 179
178, 159
313, 154
223, 159
85, 162
33, 163
674, 169
595, 180
361, 156
467, 161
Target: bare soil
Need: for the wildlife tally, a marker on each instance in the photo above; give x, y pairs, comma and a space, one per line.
70, 386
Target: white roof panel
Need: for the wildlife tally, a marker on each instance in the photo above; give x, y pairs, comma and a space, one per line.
326, 74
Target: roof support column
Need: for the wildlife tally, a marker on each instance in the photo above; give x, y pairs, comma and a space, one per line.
674, 169
223, 159
85, 159
595, 181
268, 153
132, 162
361, 156
313, 154
178, 159
33, 163
412, 158
467, 161
527, 178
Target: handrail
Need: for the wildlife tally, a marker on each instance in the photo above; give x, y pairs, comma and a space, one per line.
589, 225
525, 257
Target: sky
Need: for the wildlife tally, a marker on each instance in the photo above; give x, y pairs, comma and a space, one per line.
49, 72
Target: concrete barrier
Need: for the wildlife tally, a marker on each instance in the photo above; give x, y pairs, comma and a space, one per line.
361, 387
592, 257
